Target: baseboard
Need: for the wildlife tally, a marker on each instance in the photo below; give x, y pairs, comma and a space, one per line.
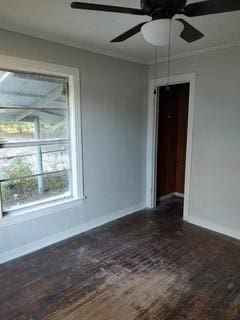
214, 227
170, 195
178, 194
39, 244
166, 196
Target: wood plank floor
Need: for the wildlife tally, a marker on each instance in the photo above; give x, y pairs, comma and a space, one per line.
149, 265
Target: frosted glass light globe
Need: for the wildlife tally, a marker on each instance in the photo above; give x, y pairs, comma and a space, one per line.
156, 32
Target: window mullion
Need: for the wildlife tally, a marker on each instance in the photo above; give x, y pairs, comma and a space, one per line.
34, 175
33, 143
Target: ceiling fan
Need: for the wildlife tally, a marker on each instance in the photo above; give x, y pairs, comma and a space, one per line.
166, 9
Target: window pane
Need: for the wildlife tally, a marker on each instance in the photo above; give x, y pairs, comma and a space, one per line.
23, 90
22, 192
24, 125
25, 161
34, 145
55, 158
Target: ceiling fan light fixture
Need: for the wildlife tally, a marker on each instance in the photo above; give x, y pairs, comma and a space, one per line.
156, 32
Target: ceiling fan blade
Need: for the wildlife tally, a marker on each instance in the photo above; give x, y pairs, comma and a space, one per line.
131, 32
189, 33
106, 8
211, 7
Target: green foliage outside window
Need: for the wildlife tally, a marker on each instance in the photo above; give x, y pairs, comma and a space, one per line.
27, 188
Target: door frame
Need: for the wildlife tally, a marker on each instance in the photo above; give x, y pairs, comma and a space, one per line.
152, 139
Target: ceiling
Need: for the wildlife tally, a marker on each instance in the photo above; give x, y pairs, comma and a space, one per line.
55, 21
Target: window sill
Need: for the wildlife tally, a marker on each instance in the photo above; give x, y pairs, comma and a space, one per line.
45, 209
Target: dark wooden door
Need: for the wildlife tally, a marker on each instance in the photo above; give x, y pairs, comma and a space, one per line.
172, 137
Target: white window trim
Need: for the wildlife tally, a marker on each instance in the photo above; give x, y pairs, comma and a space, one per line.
75, 123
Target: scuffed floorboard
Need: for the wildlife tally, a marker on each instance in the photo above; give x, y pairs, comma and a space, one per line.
150, 265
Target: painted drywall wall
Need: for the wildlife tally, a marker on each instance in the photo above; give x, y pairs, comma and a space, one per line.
113, 99
215, 174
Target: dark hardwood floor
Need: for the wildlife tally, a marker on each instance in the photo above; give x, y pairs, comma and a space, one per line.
150, 265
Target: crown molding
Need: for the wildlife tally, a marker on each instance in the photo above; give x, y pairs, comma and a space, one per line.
197, 52
98, 50
78, 45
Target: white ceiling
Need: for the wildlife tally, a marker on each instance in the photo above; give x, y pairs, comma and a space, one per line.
54, 20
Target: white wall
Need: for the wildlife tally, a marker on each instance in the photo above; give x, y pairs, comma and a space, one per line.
215, 175
113, 99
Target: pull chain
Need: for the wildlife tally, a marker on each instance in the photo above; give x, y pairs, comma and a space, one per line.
169, 56
155, 72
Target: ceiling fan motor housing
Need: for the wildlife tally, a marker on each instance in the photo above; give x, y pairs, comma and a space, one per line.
162, 9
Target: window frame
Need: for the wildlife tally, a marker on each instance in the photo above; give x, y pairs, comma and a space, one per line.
74, 129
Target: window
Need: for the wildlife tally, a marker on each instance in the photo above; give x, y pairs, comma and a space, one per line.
37, 140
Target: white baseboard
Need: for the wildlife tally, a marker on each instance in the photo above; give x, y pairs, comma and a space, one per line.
170, 195
214, 227
166, 196
39, 244
178, 194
